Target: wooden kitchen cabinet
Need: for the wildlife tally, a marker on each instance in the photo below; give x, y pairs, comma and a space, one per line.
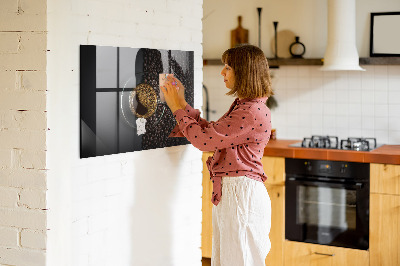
274, 168
206, 225
384, 236
277, 233
385, 215
385, 178
305, 254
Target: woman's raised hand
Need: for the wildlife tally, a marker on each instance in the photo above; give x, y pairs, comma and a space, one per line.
174, 94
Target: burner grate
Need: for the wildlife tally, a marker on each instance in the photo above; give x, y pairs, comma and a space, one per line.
327, 142
358, 144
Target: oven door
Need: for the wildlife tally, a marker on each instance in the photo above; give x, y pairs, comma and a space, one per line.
327, 213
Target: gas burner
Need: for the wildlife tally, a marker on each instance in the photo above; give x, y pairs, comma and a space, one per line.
327, 142
332, 142
358, 144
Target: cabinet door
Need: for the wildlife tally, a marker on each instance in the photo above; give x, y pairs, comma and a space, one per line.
304, 254
274, 168
277, 233
384, 230
385, 178
206, 232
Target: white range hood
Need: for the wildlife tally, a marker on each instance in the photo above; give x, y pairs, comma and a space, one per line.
341, 51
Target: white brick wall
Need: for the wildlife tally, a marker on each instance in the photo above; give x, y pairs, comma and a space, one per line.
139, 208
23, 132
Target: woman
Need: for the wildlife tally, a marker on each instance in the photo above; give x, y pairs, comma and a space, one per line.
242, 208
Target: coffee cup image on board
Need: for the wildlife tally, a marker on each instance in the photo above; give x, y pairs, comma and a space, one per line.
122, 108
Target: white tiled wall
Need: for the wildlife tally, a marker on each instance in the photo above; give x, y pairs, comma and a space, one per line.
313, 102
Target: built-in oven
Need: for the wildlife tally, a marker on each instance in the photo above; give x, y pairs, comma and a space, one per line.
327, 202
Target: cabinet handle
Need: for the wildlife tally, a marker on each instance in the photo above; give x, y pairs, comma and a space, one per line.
324, 254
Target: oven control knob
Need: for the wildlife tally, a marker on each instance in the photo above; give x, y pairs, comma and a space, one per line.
343, 168
308, 166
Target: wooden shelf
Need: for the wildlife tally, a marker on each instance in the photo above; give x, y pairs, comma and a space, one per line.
380, 61
273, 63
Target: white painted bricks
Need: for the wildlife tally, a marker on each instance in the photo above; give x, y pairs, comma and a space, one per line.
9, 237
23, 125
23, 218
33, 239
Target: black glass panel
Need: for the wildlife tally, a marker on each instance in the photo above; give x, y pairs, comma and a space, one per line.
120, 104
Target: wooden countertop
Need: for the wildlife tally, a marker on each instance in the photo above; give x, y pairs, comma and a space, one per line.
389, 154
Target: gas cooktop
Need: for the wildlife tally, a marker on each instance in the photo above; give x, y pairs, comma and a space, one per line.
332, 142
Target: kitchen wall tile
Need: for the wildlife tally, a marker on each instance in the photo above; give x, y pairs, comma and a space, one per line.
293, 120
317, 95
394, 123
355, 96
354, 122
394, 97
393, 71
342, 109
381, 84
367, 133
317, 131
329, 93
329, 109
367, 110
394, 137
292, 82
342, 80
354, 80
316, 82
381, 97
355, 132
342, 122
291, 71
315, 72
367, 96
317, 108
304, 82
381, 110
380, 71
342, 96
329, 122
382, 123
304, 109
365, 99
367, 122
278, 71
394, 82
394, 110
342, 133
355, 109
328, 74
317, 121
367, 82
381, 136
304, 72
278, 83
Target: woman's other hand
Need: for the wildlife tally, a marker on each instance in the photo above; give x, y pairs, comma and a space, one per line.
181, 92
174, 94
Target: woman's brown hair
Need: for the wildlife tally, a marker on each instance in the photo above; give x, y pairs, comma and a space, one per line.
250, 66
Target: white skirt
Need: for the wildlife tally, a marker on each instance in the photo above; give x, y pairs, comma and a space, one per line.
241, 223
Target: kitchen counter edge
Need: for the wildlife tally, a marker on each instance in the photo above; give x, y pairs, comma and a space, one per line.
385, 154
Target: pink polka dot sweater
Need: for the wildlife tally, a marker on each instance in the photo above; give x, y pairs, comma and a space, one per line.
238, 139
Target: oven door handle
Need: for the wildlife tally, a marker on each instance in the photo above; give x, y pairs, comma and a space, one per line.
352, 185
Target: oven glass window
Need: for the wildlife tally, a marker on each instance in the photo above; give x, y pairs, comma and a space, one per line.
326, 207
